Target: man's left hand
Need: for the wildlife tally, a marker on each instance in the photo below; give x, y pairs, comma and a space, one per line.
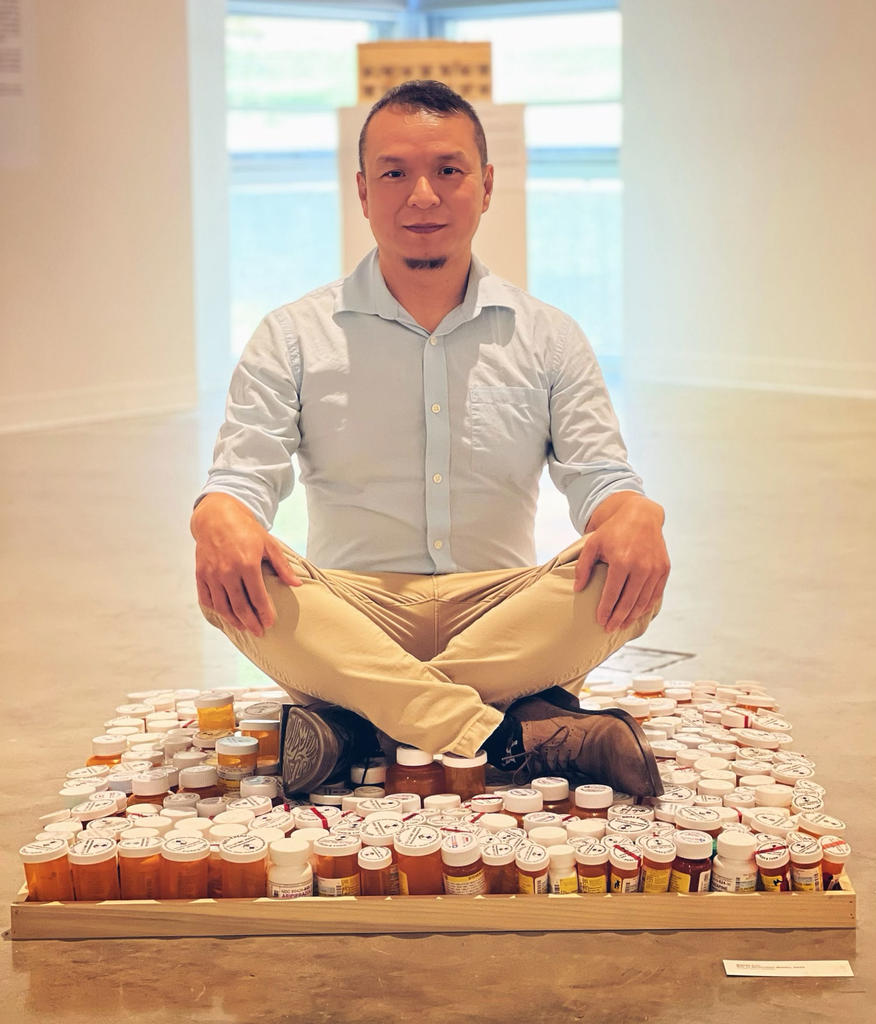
625, 532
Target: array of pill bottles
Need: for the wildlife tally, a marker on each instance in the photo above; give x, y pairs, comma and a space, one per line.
189, 819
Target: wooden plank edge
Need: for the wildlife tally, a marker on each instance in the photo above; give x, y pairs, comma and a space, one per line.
432, 914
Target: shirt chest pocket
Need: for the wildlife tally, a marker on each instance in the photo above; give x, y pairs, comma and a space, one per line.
510, 430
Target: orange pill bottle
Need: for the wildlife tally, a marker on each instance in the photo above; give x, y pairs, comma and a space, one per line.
591, 863
836, 852
500, 869
462, 867
337, 866
215, 710
381, 832
47, 870
465, 776
415, 771
592, 801
236, 759
375, 871
554, 792
244, 866
95, 870
533, 864
773, 866
266, 731
106, 750
201, 780
185, 863
140, 867
420, 873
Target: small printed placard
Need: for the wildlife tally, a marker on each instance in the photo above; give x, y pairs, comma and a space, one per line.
788, 969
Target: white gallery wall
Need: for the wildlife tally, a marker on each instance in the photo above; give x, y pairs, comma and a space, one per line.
749, 167
96, 278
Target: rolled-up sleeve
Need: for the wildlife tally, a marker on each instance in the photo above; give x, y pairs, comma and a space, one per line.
252, 458
587, 459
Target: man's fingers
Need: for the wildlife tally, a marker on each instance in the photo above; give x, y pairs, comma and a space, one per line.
644, 603
242, 609
615, 580
282, 568
258, 598
584, 565
220, 604
204, 597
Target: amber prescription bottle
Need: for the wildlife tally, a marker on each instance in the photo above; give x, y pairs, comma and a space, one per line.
140, 867
237, 758
625, 866
415, 771
382, 832
201, 780
554, 793
500, 869
215, 710
243, 866
150, 787
337, 867
463, 868
94, 868
591, 861
592, 801
106, 750
700, 819
267, 734
465, 776
533, 864
420, 873
806, 863
518, 802
773, 867
836, 852
692, 868
184, 868
658, 856
375, 871
47, 870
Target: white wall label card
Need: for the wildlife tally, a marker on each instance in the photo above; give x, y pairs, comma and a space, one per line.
788, 969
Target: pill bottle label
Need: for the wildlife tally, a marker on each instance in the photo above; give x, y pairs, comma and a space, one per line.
565, 884
680, 882
465, 885
592, 883
532, 885
734, 883
656, 879
620, 883
291, 890
806, 879
338, 886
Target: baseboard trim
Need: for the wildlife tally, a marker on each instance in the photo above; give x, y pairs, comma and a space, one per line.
52, 409
801, 376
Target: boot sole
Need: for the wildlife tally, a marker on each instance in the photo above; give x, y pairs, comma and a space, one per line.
310, 751
635, 729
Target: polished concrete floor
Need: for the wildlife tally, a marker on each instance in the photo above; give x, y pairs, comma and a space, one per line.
771, 505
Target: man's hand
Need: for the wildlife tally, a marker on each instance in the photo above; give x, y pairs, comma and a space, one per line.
626, 533
231, 546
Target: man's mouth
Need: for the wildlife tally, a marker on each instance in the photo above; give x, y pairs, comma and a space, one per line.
423, 229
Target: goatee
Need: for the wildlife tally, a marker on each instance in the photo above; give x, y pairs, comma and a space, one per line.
435, 264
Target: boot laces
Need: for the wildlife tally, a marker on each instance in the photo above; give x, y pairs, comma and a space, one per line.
551, 755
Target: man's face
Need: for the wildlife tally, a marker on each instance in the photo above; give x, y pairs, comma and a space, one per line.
424, 188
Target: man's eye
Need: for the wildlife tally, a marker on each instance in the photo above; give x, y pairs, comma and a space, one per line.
447, 171
395, 173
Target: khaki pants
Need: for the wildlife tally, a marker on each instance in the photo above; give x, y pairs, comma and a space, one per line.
431, 660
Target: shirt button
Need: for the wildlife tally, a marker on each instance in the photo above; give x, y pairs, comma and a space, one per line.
433, 340
437, 478
438, 545
436, 407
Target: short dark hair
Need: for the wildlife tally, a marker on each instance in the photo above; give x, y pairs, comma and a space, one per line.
426, 94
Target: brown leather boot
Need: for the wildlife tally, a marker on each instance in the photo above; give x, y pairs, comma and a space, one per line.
548, 733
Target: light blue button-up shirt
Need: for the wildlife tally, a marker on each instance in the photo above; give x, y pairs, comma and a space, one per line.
419, 452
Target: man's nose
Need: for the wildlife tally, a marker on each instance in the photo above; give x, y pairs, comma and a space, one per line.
422, 194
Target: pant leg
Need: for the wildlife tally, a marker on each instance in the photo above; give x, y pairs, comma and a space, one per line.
514, 633
334, 640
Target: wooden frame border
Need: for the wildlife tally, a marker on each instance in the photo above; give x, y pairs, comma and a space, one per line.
348, 915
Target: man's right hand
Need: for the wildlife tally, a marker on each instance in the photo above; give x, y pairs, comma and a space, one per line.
231, 545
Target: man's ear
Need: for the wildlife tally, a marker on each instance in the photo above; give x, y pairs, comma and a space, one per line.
488, 187
363, 191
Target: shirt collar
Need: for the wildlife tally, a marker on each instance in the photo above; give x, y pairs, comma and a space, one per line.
365, 291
